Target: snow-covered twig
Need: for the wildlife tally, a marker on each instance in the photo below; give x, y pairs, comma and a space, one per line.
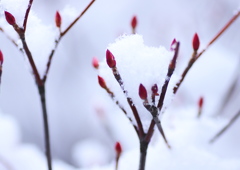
196, 55
225, 128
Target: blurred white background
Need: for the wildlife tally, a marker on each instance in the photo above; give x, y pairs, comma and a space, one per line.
78, 108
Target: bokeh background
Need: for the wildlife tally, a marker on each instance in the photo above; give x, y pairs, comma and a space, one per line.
79, 110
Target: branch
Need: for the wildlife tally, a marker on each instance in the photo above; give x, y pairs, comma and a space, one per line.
225, 128
74, 22
59, 38
26, 15
130, 103
193, 59
171, 69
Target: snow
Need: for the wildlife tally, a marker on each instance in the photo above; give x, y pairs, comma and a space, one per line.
137, 63
77, 134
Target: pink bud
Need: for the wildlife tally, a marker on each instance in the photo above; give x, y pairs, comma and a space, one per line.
110, 59
142, 92
134, 22
1, 58
58, 19
101, 82
10, 18
95, 63
118, 148
195, 42
200, 102
155, 89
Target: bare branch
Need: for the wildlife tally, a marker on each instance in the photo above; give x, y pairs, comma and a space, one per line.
26, 15
74, 22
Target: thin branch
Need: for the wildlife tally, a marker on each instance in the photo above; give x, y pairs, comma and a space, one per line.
193, 59
11, 39
74, 22
111, 94
171, 69
59, 38
30, 58
26, 15
50, 59
130, 103
225, 128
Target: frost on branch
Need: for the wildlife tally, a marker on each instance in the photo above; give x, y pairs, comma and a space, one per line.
138, 64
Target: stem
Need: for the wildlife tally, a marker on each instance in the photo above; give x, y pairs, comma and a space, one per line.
130, 102
229, 23
225, 128
26, 15
143, 154
83, 12
46, 127
50, 59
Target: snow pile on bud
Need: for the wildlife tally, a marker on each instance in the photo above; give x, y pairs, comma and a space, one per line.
137, 64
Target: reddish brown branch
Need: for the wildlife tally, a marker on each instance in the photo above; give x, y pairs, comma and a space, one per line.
171, 69
74, 22
26, 15
130, 102
196, 56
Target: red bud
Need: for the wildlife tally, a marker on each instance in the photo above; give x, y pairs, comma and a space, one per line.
134, 22
95, 63
195, 42
118, 148
142, 92
200, 102
101, 82
155, 89
173, 44
110, 59
58, 19
10, 18
1, 58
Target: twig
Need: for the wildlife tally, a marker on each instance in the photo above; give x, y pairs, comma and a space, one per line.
11, 39
60, 37
225, 128
130, 103
26, 15
193, 59
70, 26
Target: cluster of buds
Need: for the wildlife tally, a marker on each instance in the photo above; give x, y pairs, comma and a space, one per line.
152, 107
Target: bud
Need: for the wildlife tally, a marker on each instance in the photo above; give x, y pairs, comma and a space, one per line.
10, 18
142, 92
155, 89
1, 58
110, 59
58, 19
173, 45
95, 63
101, 82
195, 42
200, 102
118, 148
134, 22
